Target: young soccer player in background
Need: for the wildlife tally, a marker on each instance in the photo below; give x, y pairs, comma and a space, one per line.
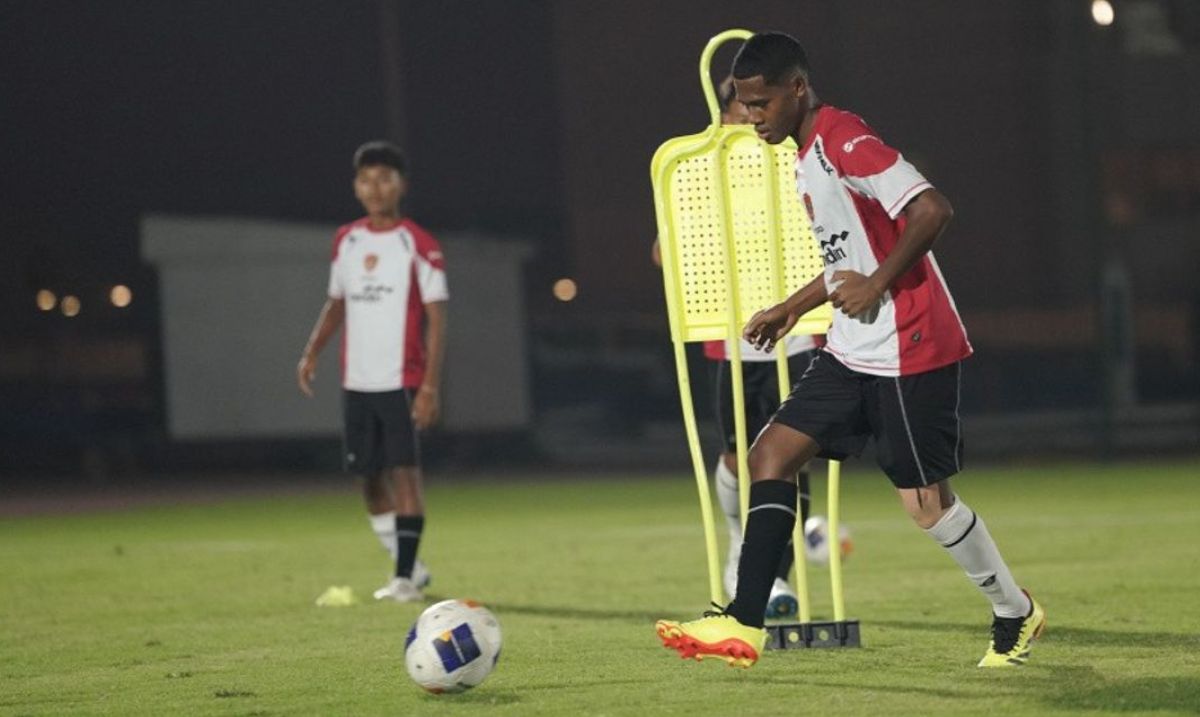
890, 370
387, 285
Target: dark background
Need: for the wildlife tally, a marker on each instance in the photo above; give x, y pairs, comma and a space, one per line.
1068, 149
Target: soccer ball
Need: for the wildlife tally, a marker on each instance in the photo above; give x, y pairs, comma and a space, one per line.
816, 539
453, 646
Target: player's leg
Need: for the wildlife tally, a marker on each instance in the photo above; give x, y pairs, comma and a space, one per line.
377, 495
777, 455
797, 365
736, 634
1017, 619
410, 522
783, 602
920, 447
759, 381
398, 449
760, 406
825, 405
360, 446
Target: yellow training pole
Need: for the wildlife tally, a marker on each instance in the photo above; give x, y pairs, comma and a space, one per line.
835, 543
733, 298
693, 437
710, 92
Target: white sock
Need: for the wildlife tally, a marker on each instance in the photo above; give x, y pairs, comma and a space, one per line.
384, 525
727, 495
963, 533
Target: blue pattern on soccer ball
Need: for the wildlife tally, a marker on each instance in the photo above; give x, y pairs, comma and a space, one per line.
412, 635
458, 648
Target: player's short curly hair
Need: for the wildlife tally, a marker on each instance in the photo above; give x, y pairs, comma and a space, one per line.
775, 56
380, 152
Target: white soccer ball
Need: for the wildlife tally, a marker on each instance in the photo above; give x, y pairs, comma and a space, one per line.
453, 646
816, 539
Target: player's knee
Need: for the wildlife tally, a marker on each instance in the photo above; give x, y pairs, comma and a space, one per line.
925, 521
925, 516
765, 464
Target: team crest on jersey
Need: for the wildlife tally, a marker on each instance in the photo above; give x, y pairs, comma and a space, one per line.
370, 261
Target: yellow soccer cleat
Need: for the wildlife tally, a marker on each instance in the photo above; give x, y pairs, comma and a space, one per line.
718, 635
1012, 637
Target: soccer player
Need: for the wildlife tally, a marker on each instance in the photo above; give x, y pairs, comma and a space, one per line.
890, 370
760, 381
387, 284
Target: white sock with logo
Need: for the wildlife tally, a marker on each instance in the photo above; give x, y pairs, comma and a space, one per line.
384, 525
964, 534
727, 495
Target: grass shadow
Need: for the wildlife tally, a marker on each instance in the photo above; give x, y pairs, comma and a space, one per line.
1082, 688
810, 682
574, 613
1057, 687
1079, 636
482, 696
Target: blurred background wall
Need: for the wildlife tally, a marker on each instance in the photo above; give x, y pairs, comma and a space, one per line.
1066, 145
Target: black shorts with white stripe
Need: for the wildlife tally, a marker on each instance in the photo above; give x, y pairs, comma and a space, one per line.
913, 419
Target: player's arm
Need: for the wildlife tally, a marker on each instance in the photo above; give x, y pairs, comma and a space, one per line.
770, 325
927, 216
332, 316
427, 404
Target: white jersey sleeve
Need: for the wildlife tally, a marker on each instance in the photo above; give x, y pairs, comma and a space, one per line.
875, 170
336, 289
431, 282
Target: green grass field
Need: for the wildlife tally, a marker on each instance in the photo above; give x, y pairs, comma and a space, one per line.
208, 609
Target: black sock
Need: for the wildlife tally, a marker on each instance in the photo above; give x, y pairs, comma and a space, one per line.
789, 554
408, 537
768, 529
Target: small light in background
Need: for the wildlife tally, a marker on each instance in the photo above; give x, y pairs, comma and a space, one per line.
565, 290
71, 306
46, 300
1103, 13
121, 296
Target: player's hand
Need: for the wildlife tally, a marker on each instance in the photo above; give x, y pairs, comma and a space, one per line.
768, 326
306, 372
855, 294
426, 408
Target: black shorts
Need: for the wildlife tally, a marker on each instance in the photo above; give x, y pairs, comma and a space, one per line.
760, 380
379, 431
913, 419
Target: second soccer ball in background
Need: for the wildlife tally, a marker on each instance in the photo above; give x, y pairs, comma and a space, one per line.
816, 538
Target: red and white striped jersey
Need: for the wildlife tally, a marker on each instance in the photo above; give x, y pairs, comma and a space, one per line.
385, 276
722, 351
855, 188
